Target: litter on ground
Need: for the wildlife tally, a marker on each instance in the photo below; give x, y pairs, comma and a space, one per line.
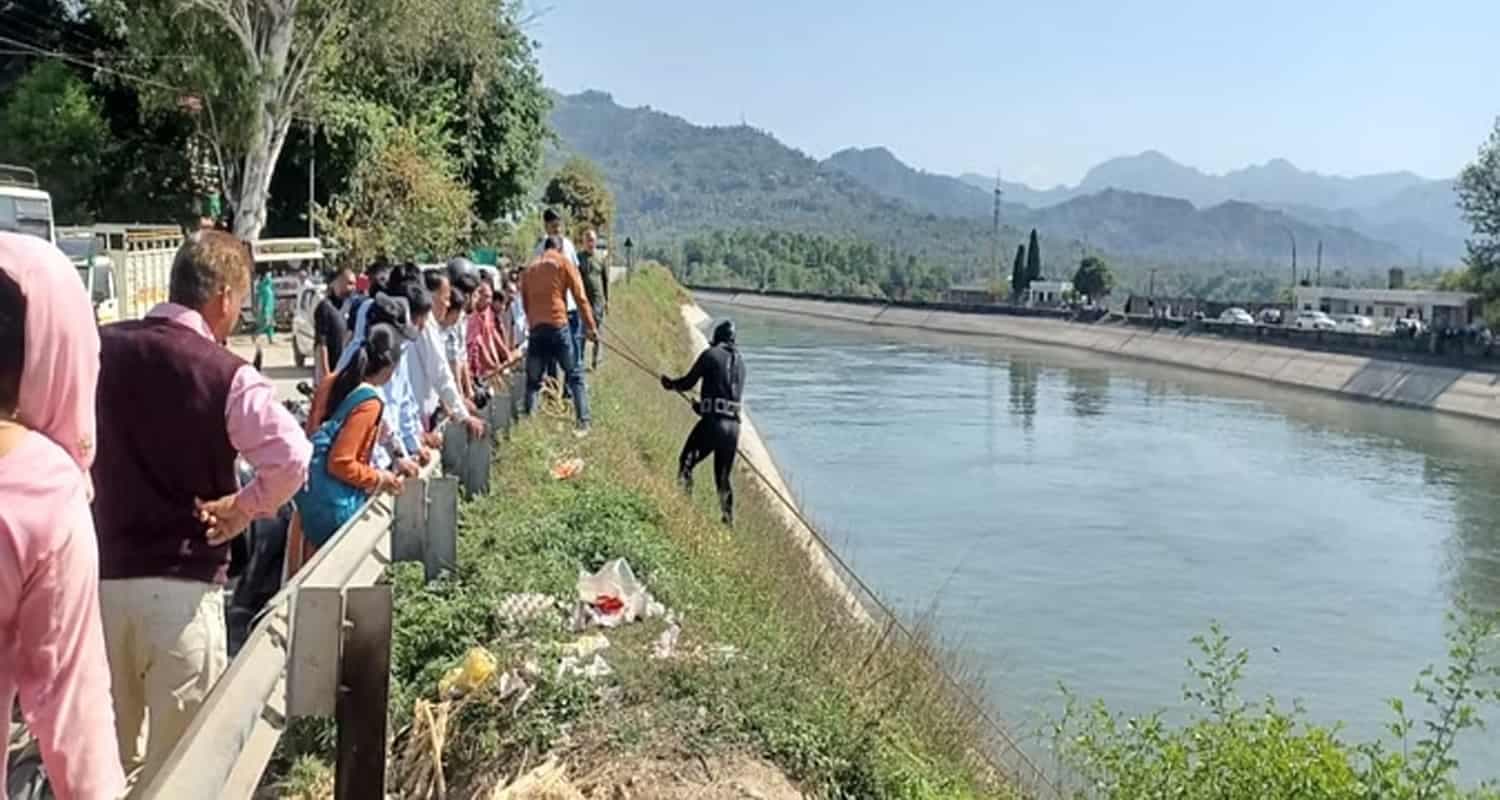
612, 597
586, 646
567, 469
594, 670
477, 669
519, 609
666, 644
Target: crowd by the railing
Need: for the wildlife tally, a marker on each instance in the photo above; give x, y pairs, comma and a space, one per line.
113, 628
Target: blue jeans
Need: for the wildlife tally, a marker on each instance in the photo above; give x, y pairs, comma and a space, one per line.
575, 330
551, 348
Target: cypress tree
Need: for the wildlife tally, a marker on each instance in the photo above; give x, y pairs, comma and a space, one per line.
1018, 272
1033, 260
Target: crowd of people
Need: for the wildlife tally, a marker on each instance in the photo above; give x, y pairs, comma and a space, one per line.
133, 455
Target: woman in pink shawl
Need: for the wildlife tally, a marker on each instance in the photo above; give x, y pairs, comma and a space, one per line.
51, 641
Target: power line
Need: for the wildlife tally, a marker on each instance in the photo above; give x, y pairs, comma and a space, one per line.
47, 25
83, 62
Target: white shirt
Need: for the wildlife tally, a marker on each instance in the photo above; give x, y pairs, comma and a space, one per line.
431, 378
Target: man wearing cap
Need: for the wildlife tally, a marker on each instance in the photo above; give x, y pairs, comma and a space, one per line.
544, 286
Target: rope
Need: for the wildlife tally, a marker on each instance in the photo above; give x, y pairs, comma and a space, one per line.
628, 354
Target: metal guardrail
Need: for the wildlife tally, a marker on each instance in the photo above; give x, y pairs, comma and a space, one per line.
226, 748
289, 665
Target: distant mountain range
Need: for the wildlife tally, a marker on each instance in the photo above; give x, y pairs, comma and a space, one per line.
673, 178
1416, 214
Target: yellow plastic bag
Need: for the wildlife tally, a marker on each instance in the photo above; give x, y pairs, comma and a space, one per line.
477, 669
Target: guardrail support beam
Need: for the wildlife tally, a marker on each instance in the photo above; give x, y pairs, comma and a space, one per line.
364, 694
441, 551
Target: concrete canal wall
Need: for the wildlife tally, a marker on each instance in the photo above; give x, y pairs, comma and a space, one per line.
1447, 389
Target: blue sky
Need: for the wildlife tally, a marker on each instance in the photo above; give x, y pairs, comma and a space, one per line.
1044, 90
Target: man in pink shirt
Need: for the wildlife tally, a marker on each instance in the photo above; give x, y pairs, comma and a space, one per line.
51, 641
175, 407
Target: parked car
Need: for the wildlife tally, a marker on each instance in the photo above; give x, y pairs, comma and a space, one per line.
1355, 323
1314, 321
304, 328
1270, 316
1237, 316
1404, 326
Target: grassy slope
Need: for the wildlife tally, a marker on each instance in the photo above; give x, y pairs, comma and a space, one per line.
844, 711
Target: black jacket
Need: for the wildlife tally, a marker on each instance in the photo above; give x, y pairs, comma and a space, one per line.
722, 371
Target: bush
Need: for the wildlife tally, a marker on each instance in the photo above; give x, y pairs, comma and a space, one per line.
1230, 749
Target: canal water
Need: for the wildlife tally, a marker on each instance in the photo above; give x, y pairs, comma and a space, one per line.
1075, 519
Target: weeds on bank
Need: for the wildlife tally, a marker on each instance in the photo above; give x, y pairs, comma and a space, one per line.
1233, 749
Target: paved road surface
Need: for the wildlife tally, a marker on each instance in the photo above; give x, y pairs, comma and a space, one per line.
276, 363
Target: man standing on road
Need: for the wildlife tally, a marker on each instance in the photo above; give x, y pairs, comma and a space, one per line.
595, 284
544, 286
717, 433
175, 407
329, 329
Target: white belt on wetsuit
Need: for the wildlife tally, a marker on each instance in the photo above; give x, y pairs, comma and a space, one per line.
719, 406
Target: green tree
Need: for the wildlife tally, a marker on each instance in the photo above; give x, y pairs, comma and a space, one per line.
1093, 278
52, 124
405, 200
1018, 282
248, 67
1479, 198
579, 188
1033, 259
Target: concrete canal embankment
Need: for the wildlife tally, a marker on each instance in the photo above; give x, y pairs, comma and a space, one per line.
1446, 389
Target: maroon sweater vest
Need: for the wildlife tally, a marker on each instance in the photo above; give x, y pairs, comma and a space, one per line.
163, 442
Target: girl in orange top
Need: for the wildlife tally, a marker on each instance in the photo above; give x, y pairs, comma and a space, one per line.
340, 477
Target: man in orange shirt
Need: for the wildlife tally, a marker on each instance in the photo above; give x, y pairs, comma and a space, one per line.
544, 290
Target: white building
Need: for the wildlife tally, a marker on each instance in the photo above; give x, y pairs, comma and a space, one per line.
1048, 293
1436, 309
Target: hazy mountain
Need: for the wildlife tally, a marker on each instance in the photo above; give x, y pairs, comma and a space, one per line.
1019, 193
673, 178
1412, 212
879, 169
1162, 228
1153, 226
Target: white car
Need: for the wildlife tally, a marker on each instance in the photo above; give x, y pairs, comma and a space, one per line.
304, 325
1405, 326
1314, 321
1355, 323
1236, 316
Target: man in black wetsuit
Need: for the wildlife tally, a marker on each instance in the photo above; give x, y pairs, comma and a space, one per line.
722, 372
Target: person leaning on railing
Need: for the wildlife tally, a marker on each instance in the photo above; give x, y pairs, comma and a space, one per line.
175, 406
340, 477
51, 638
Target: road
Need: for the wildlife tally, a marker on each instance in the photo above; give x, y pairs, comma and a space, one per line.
276, 363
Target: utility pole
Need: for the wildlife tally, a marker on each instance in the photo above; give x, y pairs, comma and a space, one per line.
1293, 238
312, 176
995, 243
1319, 279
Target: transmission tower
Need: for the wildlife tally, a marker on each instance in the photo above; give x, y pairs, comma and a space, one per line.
995, 243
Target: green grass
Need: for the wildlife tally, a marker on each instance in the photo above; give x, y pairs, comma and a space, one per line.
843, 709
